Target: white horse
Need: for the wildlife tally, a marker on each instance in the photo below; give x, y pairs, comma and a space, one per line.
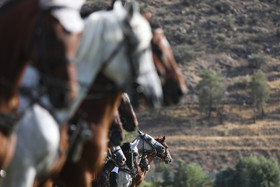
145, 144
117, 155
116, 43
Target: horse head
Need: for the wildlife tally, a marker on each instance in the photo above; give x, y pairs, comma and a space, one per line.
173, 83
166, 157
116, 133
118, 155
57, 35
127, 114
149, 144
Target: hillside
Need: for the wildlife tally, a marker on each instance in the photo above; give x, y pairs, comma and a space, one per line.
220, 35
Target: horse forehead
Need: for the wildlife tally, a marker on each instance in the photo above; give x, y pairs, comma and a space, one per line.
142, 30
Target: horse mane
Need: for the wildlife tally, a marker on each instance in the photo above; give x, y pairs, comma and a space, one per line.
88, 9
125, 146
153, 23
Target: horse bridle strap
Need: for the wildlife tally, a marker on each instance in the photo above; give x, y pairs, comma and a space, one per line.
143, 136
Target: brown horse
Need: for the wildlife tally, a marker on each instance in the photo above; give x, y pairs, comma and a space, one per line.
124, 119
148, 159
127, 114
31, 33
116, 131
174, 86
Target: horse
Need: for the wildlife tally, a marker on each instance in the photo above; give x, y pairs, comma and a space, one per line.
50, 42
124, 119
44, 40
116, 131
147, 159
173, 84
145, 145
114, 53
127, 114
115, 156
104, 175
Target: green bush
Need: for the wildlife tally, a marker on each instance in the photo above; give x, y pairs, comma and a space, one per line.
167, 177
256, 171
190, 176
210, 91
222, 6
251, 171
256, 60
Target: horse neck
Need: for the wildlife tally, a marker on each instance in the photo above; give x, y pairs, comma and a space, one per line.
150, 158
18, 19
99, 108
140, 145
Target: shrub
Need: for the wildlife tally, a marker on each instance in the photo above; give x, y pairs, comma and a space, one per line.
190, 176
226, 178
167, 177
222, 6
251, 171
256, 60
196, 177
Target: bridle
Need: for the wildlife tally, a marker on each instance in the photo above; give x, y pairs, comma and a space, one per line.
153, 145
131, 42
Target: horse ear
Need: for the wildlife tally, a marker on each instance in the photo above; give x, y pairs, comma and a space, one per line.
148, 15
139, 132
132, 8
163, 138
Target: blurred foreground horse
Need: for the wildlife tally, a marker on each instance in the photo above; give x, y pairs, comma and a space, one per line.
37, 31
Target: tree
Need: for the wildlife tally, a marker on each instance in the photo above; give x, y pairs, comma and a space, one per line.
167, 179
190, 175
251, 171
180, 174
259, 92
197, 177
210, 91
